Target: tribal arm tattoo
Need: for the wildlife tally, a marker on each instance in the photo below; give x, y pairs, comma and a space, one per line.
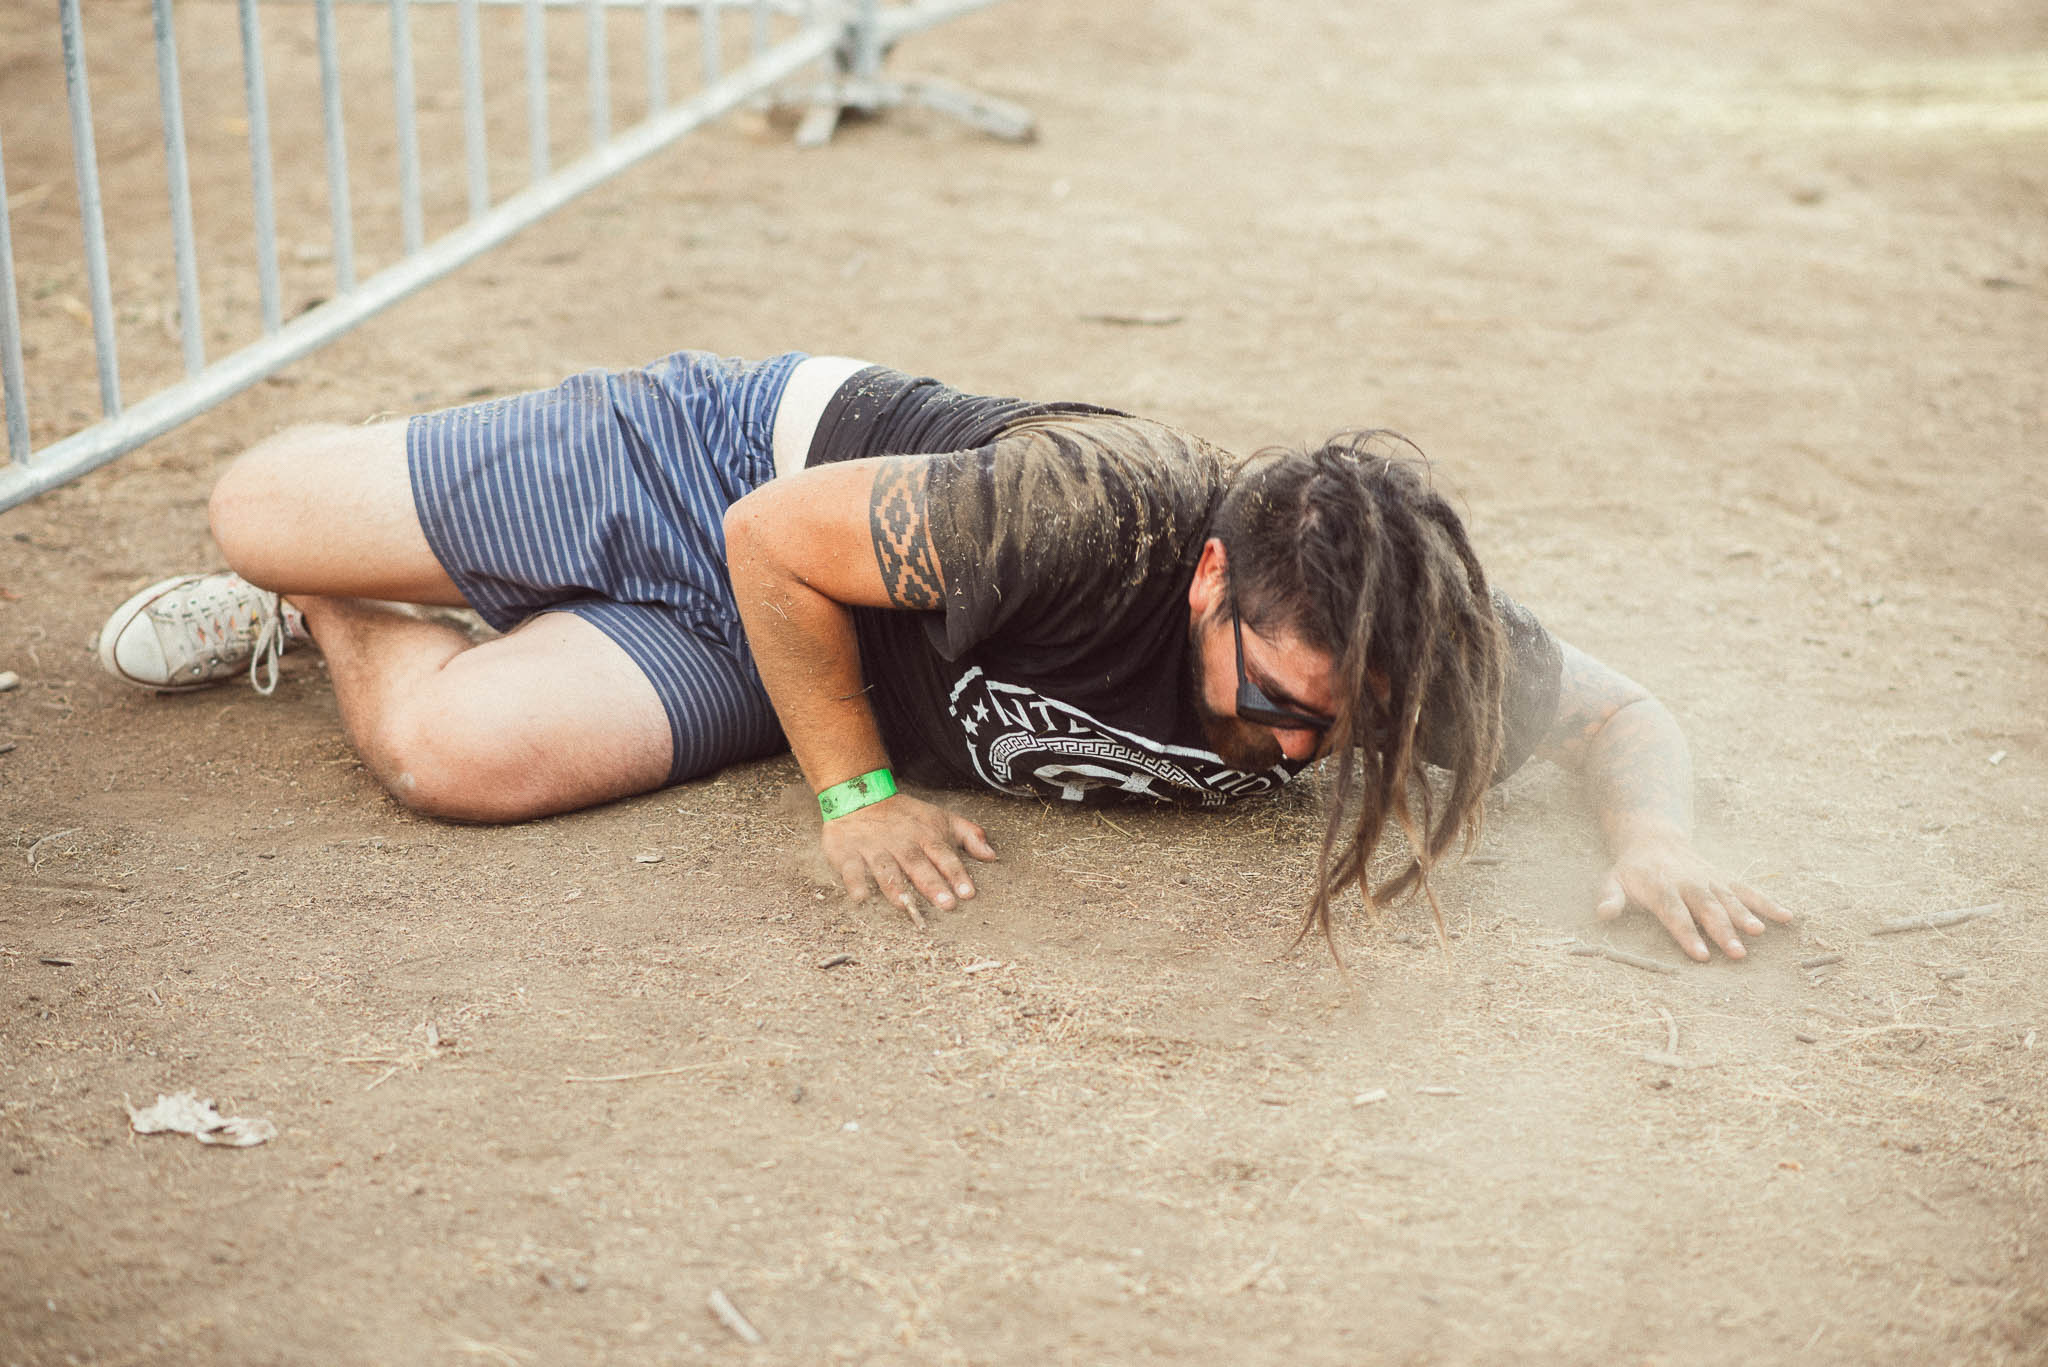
903, 542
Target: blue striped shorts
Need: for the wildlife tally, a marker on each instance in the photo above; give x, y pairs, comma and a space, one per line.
605, 497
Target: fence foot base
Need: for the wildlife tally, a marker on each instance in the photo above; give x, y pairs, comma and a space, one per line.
825, 104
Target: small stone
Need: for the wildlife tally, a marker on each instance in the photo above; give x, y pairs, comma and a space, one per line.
646, 859
9, 681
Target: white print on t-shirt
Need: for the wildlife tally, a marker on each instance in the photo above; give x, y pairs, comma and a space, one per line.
1026, 744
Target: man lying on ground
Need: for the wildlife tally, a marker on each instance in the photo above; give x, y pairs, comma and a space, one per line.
699, 562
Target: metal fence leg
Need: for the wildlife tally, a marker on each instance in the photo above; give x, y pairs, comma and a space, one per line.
870, 33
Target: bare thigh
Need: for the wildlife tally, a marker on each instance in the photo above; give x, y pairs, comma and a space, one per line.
329, 510
549, 718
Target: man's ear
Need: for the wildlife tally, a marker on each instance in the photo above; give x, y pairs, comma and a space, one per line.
1212, 579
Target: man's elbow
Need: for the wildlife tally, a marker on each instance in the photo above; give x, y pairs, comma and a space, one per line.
1580, 729
743, 527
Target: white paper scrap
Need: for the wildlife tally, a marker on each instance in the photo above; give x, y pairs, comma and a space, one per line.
185, 1113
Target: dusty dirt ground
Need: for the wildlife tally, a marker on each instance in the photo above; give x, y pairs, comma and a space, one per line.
1725, 321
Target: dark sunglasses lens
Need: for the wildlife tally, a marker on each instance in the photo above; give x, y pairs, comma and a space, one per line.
1254, 707
1252, 703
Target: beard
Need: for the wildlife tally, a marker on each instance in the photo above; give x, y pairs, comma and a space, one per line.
1244, 747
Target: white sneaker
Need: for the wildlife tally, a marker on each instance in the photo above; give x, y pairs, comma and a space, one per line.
199, 629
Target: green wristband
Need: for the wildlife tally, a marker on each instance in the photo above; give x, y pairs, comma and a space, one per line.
856, 793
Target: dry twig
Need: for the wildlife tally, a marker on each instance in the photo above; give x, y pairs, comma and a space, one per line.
1934, 920
635, 1077
1114, 827
1621, 956
729, 1315
74, 830
1922, 1198
1250, 1276
1148, 318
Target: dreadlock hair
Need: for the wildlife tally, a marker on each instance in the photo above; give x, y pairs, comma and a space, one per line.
1351, 550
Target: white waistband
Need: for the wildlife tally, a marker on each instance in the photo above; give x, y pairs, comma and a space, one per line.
810, 387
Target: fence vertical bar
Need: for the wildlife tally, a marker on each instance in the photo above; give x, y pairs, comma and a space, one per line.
657, 56
599, 74
760, 28
537, 89
85, 160
181, 187
12, 384
257, 96
337, 148
473, 110
710, 29
411, 228
867, 40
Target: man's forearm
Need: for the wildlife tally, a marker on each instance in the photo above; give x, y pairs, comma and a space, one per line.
1630, 751
804, 645
1640, 773
803, 552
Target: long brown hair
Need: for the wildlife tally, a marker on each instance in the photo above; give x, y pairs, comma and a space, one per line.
1351, 549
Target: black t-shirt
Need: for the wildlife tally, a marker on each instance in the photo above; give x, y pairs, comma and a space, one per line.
1067, 537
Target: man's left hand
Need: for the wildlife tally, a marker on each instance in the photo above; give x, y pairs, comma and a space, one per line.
1665, 876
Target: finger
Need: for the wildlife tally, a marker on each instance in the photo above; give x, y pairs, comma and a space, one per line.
947, 860
934, 885
972, 839
1739, 915
895, 888
854, 874
1671, 910
1760, 904
890, 879
1713, 920
1613, 901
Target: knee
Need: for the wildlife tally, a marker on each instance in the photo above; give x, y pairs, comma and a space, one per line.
260, 496
452, 774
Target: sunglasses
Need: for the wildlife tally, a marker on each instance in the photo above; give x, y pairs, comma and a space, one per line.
1258, 709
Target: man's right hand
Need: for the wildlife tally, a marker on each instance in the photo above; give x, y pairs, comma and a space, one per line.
905, 847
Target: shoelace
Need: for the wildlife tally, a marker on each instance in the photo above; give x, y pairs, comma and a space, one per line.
269, 645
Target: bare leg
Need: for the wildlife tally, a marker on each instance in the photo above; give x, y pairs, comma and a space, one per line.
329, 510
550, 718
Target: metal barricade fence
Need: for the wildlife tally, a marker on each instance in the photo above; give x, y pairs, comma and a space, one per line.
780, 38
